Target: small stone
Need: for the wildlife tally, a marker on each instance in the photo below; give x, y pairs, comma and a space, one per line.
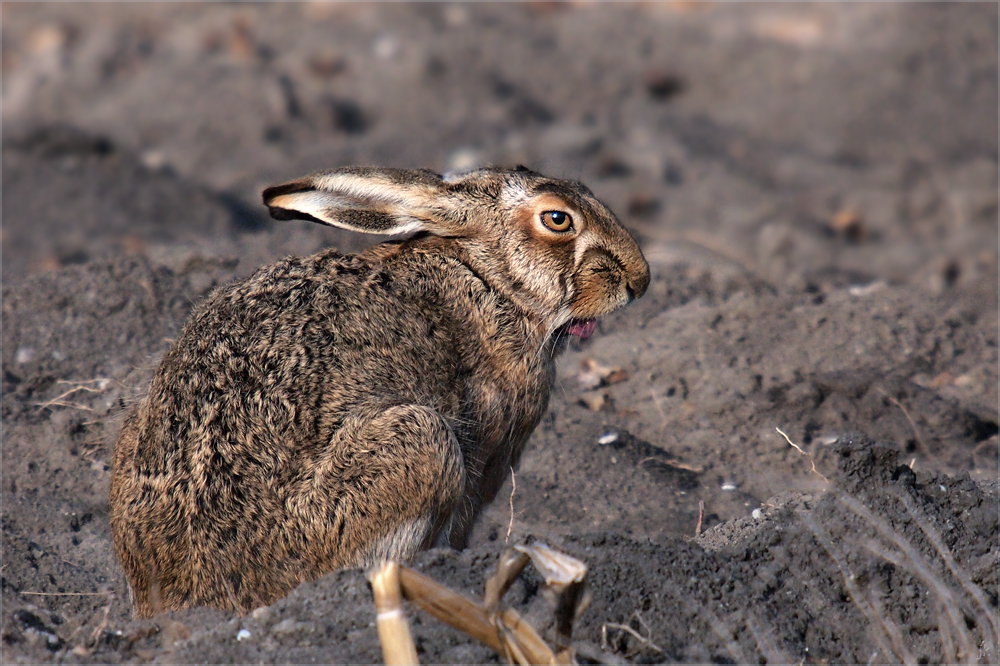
593, 400
286, 626
386, 47
965, 380
616, 377
609, 437
154, 160
289, 628
262, 614
848, 223
757, 514
866, 289
593, 374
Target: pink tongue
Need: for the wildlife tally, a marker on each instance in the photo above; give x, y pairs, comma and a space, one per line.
583, 328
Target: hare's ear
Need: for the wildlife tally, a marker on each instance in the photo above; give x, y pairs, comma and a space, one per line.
367, 199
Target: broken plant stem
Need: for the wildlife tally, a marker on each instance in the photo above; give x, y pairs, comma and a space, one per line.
504, 632
393, 630
509, 567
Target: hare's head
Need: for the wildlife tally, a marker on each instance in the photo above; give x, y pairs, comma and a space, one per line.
546, 243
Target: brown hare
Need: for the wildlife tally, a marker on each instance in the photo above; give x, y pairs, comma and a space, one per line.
339, 410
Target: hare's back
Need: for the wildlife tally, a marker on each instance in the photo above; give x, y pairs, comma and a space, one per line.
277, 360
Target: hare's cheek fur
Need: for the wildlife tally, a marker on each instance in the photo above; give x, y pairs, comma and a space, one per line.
601, 286
540, 261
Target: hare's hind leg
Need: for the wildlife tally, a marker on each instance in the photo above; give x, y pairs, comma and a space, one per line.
384, 488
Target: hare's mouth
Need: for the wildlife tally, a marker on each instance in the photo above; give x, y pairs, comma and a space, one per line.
582, 328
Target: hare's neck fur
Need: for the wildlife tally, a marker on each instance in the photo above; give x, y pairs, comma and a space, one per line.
505, 366
531, 323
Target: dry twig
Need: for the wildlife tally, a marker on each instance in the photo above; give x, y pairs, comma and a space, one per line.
513, 489
646, 640
674, 464
96, 634
799, 449
58, 401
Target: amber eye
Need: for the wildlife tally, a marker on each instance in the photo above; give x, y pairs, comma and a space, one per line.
556, 220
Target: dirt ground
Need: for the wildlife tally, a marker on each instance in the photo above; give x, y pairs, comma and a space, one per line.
815, 187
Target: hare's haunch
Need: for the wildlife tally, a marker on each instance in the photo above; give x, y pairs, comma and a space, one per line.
339, 410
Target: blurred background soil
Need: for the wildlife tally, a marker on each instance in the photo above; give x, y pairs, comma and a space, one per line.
814, 185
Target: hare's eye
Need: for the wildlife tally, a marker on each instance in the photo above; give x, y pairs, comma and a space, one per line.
556, 220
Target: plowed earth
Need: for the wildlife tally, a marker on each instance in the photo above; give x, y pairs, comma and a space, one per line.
815, 187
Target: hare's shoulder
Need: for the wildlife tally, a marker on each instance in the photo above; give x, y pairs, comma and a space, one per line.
333, 303
391, 270
292, 275
284, 292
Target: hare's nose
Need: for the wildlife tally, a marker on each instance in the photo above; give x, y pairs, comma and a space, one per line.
637, 288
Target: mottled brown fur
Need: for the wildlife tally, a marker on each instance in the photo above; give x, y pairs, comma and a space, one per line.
336, 410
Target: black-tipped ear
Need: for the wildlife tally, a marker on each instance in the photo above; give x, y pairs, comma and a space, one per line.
371, 200
285, 214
